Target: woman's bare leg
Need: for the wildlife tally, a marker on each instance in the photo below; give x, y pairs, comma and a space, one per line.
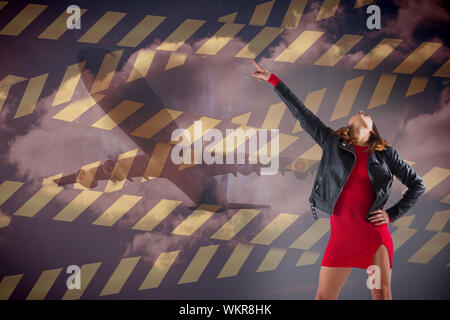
381, 259
331, 280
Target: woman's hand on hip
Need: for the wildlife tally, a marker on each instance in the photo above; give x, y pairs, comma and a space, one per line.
379, 217
260, 73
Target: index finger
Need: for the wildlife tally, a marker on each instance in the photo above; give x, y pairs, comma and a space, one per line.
256, 64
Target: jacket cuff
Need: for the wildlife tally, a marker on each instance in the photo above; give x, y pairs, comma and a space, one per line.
273, 79
390, 213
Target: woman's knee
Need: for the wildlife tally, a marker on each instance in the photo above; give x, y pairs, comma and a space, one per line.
322, 295
331, 280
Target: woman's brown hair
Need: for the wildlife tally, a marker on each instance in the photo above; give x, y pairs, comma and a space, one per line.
375, 141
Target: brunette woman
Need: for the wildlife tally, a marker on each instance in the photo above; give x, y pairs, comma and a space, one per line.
352, 185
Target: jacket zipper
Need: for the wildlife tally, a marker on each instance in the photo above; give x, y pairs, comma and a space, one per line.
344, 182
312, 204
320, 178
317, 187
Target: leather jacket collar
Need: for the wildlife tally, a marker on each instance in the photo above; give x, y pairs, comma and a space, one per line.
349, 147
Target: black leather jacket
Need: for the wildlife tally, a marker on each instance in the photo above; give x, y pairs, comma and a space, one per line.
338, 159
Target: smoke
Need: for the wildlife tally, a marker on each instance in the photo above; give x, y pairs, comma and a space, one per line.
220, 87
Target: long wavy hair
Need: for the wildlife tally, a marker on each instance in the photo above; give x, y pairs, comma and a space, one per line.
376, 142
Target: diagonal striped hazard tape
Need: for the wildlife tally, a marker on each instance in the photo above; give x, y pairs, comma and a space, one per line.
345, 101
75, 109
86, 197
156, 123
111, 19
431, 248
127, 108
269, 233
381, 94
150, 128
195, 269
123, 204
200, 216
272, 120
438, 241
142, 63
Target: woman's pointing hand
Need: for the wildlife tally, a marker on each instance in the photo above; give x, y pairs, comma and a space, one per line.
260, 73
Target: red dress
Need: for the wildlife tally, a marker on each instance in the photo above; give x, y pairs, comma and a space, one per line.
353, 240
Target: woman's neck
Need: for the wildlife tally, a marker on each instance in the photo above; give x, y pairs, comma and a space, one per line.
361, 138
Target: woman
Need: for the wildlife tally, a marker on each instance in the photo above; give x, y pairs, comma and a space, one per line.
352, 182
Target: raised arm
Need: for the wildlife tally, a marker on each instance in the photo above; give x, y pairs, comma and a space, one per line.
409, 177
308, 120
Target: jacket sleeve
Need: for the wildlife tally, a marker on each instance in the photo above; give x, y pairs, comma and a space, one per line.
409, 177
308, 120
